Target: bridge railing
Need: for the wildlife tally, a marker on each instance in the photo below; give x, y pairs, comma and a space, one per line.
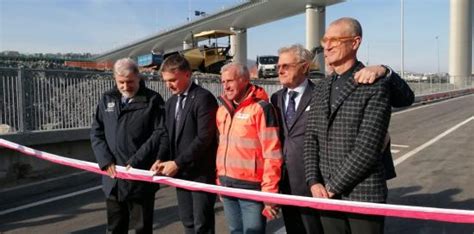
435, 84
41, 100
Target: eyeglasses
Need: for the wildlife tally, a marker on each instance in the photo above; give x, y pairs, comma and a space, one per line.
335, 41
286, 66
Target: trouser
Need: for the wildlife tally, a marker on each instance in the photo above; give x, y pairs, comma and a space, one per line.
338, 222
134, 213
298, 220
244, 216
301, 220
196, 211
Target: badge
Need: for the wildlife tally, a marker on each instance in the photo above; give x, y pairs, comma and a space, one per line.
242, 116
110, 107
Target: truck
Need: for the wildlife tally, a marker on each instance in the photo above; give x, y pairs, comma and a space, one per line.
266, 66
150, 60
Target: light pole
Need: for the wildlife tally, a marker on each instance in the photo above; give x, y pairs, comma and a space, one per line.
437, 46
401, 39
368, 53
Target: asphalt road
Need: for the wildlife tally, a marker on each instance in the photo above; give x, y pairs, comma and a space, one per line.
435, 167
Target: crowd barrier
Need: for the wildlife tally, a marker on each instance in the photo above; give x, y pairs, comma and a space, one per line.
403, 211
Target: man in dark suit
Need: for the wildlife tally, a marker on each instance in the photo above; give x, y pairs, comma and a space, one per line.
128, 130
345, 134
191, 123
293, 105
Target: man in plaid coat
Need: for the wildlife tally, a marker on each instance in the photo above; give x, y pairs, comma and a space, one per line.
345, 134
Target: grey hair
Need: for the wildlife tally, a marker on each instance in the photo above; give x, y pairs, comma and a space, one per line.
242, 70
125, 67
353, 25
297, 49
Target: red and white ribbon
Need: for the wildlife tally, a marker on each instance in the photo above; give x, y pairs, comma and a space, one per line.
414, 212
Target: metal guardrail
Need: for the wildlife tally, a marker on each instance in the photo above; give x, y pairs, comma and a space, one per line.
39, 100
440, 84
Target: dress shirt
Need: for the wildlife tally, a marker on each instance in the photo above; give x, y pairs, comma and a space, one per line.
300, 89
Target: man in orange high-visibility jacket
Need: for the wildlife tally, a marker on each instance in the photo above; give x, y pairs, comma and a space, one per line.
249, 153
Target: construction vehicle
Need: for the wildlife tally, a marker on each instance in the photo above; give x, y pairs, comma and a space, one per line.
314, 70
150, 60
209, 54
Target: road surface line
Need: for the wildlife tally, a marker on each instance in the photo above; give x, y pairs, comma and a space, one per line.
429, 105
401, 146
4, 212
394, 151
430, 142
418, 149
44, 181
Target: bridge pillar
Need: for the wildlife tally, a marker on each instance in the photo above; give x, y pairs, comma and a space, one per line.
238, 45
315, 27
460, 42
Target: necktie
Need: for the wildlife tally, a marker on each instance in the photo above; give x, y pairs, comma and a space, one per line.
291, 108
179, 112
179, 109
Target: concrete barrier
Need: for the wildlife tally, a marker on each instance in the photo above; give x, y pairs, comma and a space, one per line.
16, 168
443, 95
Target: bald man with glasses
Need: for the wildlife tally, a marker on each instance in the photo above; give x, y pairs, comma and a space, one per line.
345, 147
293, 105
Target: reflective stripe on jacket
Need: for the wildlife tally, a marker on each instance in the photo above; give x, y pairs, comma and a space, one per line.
249, 153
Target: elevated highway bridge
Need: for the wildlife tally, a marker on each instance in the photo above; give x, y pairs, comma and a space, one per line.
257, 12
237, 19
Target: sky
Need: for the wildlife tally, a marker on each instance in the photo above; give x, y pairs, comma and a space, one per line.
96, 26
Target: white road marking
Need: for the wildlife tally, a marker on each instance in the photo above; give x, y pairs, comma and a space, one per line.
400, 146
396, 162
430, 142
419, 148
4, 212
44, 181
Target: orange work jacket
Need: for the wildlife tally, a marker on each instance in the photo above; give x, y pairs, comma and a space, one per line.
249, 153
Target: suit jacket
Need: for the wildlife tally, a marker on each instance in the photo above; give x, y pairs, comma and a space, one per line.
194, 144
342, 148
400, 96
292, 138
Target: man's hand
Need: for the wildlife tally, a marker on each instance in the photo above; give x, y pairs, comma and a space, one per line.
270, 211
369, 75
169, 168
111, 170
157, 167
318, 190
